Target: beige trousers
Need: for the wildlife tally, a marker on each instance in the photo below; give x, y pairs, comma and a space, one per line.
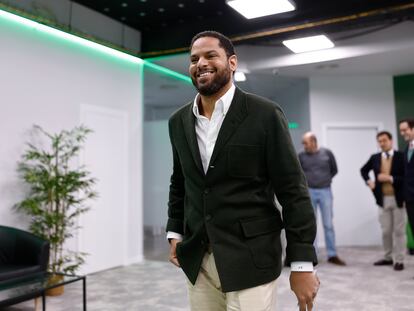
206, 294
393, 220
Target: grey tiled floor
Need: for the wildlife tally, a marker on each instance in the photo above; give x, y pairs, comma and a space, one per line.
158, 286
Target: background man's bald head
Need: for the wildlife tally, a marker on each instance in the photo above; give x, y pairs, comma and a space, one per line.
310, 142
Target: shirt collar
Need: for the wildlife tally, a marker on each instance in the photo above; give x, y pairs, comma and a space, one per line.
391, 153
222, 103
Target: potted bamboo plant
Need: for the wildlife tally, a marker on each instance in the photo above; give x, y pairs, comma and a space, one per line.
59, 191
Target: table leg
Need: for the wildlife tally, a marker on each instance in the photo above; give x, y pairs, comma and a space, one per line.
44, 301
84, 294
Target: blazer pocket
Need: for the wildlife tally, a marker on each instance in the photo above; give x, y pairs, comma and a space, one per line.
244, 160
262, 236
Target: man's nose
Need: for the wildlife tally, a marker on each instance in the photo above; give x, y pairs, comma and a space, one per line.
202, 62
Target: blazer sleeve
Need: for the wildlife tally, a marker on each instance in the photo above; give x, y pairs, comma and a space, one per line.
367, 168
289, 185
177, 192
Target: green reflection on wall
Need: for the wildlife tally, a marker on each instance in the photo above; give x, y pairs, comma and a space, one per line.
38, 29
404, 101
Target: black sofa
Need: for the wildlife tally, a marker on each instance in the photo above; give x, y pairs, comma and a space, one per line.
22, 255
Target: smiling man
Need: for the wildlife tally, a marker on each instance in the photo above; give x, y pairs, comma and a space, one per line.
232, 154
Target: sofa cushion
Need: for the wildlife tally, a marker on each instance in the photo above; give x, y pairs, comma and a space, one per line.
8, 272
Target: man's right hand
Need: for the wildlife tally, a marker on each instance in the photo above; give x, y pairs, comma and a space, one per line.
371, 184
173, 254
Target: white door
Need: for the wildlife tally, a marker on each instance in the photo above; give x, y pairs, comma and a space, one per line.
104, 228
355, 211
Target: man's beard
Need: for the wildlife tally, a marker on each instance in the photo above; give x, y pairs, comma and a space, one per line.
221, 79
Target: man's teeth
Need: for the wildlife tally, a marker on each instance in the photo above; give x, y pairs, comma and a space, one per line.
204, 74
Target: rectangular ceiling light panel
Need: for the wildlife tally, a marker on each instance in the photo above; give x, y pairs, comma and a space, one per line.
258, 8
309, 44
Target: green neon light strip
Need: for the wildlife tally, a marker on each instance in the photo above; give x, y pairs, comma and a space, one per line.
168, 71
72, 38
156, 58
149, 63
90, 44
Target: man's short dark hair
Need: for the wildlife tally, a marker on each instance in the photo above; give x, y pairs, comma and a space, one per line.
410, 122
224, 42
386, 133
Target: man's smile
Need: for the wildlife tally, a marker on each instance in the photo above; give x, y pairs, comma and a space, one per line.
202, 74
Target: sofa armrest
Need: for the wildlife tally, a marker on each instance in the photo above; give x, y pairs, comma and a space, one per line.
31, 249
24, 248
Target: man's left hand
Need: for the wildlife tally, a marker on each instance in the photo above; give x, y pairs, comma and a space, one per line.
305, 285
384, 177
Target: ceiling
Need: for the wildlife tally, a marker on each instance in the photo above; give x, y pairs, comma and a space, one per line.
167, 26
368, 51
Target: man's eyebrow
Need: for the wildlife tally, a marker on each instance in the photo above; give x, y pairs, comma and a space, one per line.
206, 52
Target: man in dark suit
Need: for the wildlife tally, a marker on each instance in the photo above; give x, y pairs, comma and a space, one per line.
232, 153
407, 132
388, 189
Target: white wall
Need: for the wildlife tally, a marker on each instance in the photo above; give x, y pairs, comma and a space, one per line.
352, 99
157, 172
352, 102
45, 80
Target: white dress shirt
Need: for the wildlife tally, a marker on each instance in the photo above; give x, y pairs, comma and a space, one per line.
390, 153
207, 132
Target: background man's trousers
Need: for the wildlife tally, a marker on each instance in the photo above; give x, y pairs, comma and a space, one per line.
393, 220
322, 200
206, 294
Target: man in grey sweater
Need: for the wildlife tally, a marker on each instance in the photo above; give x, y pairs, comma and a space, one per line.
319, 166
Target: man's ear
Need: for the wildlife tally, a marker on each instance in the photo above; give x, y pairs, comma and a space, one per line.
233, 62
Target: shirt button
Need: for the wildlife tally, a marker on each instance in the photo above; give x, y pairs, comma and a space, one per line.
207, 191
208, 217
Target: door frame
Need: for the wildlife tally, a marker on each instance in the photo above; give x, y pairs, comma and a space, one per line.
121, 114
326, 127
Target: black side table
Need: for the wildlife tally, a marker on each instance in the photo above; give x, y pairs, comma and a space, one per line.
25, 289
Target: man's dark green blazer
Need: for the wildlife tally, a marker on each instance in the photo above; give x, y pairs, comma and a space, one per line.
231, 207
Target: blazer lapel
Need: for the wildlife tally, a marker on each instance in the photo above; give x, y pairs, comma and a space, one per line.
190, 134
236, 114
406, 154
377, 163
